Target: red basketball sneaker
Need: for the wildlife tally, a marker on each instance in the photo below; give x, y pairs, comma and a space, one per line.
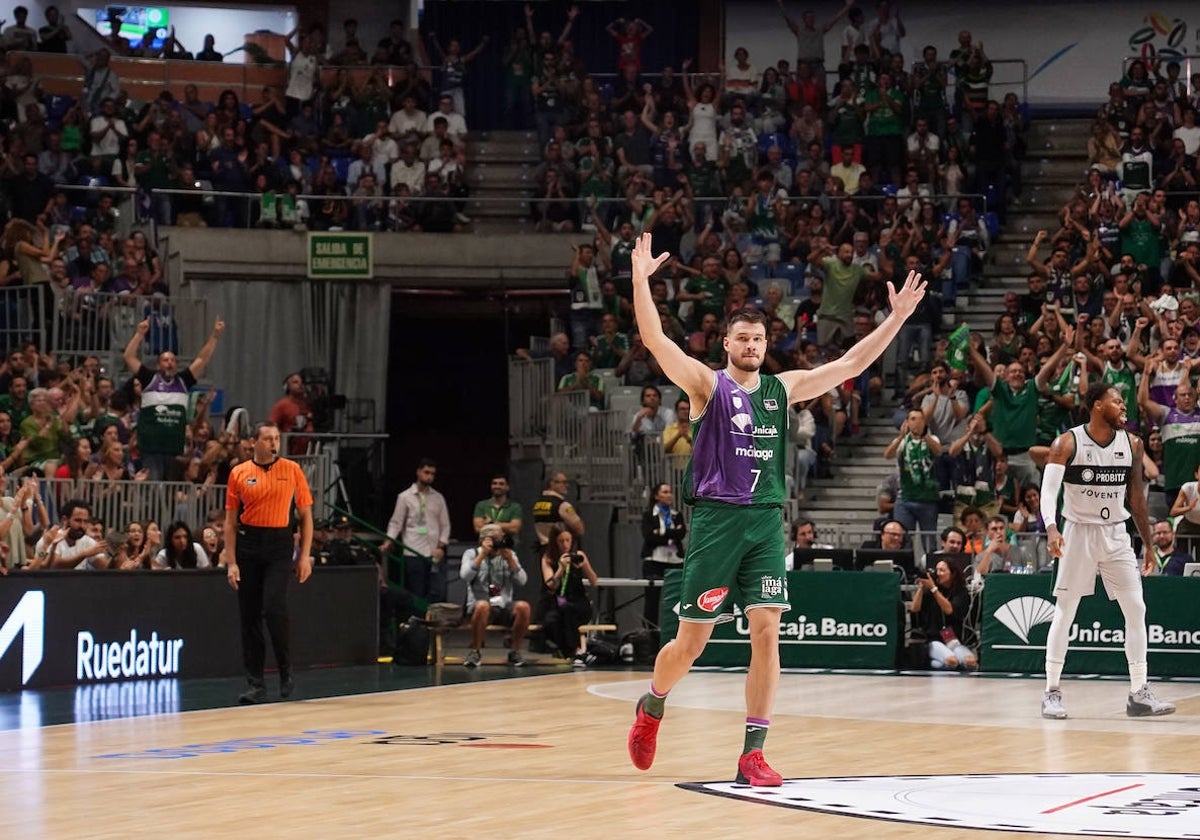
753, 770
643, 739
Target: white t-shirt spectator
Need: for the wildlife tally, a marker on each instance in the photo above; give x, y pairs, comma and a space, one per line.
1190, 138
456, 126
402, 123
302, 75
413, 176
202, 561
85, 545
110, 144
384, 150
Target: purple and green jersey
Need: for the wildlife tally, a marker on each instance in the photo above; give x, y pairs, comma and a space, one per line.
739, 455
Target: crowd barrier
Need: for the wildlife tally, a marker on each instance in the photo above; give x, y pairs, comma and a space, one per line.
117, 503
1017, 610
74, 628
849, 620
856, 620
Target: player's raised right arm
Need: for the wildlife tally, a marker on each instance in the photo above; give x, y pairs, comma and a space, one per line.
689, 374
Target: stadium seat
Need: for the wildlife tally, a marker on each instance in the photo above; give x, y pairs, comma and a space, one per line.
758, 272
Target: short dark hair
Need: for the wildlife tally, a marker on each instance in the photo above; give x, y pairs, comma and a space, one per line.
800, 523
69, 506
750, 316
422, 463
954, 529
1095, 393
260, 425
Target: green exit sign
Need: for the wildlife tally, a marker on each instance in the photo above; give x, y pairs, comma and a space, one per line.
340, 256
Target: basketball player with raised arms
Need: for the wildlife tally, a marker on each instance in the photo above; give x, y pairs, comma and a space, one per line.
1098, 468
735, 481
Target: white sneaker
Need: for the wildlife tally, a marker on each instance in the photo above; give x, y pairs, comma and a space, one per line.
1143, 703
462, 218
1052, 705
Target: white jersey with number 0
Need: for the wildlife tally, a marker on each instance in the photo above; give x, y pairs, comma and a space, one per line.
1096, 479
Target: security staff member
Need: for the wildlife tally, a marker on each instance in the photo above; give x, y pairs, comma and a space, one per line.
258, 552
553, 507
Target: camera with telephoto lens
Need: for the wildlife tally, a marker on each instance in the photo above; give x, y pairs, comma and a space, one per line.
575, 557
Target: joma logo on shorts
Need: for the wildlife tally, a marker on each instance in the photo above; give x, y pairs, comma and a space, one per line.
710, 600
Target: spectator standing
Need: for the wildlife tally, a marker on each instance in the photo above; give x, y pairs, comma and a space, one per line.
293, 413
303, 79
1013, 413
162, 422
420, 526
100, 81
915, 449
1180, 425
810, 39
454, 68
54, 37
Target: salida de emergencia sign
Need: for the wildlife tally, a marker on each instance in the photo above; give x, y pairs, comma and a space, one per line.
340, 256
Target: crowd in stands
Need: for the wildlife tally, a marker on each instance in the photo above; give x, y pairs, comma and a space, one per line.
773, 191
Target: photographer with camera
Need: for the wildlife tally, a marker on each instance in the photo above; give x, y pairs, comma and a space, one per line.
939, 606
565, 603
491, 572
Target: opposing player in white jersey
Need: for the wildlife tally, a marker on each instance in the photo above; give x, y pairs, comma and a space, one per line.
1098, 468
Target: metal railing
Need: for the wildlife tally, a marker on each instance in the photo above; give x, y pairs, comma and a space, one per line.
530, 383
102, 323
232, 209
117, 503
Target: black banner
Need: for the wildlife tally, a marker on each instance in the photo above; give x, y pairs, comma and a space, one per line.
69, 628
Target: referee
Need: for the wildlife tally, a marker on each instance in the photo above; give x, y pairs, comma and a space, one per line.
258, 536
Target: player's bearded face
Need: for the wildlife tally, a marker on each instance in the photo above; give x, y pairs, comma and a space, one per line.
746, 350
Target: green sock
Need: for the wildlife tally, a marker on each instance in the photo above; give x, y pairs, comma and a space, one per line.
756, 734
653, 705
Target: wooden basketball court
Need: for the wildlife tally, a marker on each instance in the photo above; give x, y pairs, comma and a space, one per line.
544, 755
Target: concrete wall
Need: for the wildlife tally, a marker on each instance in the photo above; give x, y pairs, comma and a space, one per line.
423, 260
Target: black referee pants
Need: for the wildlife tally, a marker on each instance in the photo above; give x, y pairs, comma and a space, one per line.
264, 558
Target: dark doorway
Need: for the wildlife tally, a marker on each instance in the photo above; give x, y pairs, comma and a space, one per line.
448, 393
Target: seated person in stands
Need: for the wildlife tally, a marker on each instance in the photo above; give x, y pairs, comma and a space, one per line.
953, 543
651, 418
892, 536
939, 606
67, 545
677, 436
565, 602
1170, 557
181, 551
559, 350
999, 554
804, 535
492, 572
584, 380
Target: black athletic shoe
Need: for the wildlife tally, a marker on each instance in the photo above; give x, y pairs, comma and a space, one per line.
253, 695
287, 685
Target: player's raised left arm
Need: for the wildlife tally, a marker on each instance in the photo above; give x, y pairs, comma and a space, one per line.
806, 384
1138, 507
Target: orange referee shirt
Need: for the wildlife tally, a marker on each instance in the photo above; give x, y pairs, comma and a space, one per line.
265, 495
